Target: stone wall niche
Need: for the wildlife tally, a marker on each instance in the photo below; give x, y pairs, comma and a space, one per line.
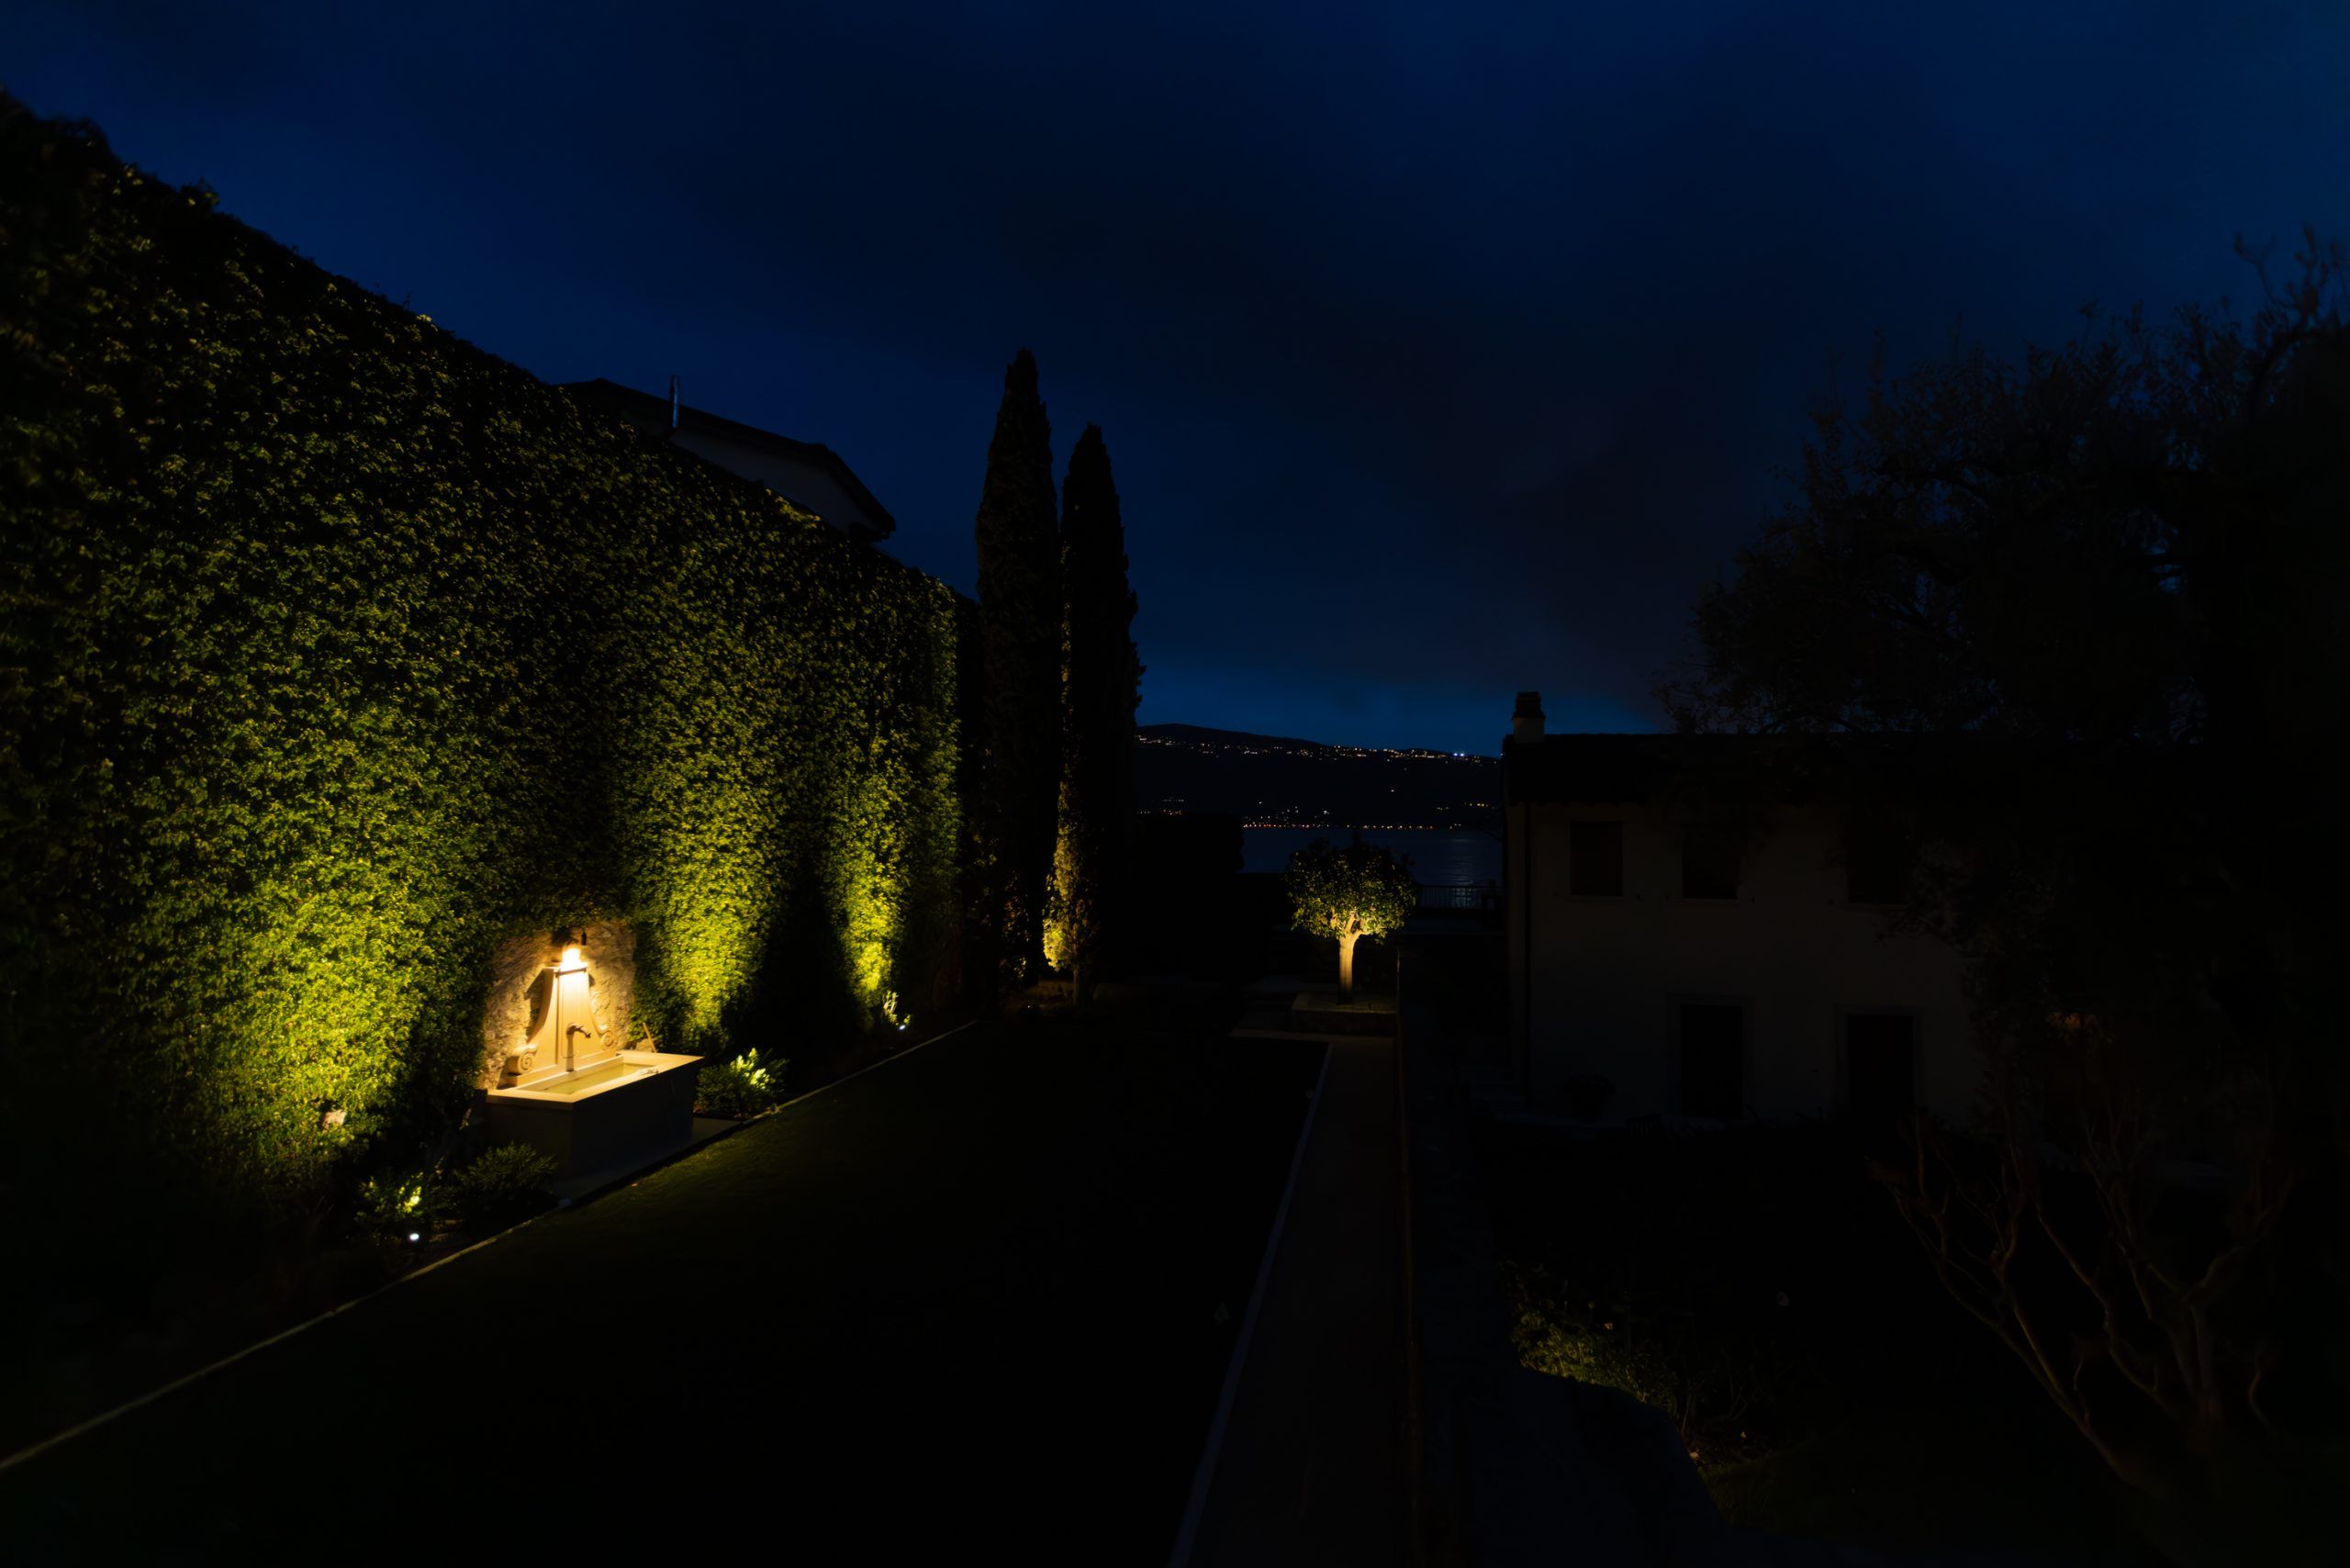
562, 1074
559, 1001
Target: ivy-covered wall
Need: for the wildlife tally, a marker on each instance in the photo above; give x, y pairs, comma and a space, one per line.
335, 652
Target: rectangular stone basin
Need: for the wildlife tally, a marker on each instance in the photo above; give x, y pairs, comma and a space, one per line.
587, 1081
635, 1107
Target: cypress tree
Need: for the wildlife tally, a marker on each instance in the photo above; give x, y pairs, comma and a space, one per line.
1020, 621
1103, 687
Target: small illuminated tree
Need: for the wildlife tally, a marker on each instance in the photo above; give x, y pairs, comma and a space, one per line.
1359, 891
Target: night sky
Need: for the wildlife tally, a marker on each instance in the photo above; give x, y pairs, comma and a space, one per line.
1441, 350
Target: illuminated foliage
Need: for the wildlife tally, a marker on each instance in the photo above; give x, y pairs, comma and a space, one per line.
1072, 933
1349, 893
744, 1087
333, 652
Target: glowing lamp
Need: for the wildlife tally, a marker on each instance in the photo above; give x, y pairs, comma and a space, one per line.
572, 960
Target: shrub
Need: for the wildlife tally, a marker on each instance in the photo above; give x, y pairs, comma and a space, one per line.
742, 1087
1745, 1283
503, 1184
394, 1208
1716, 1374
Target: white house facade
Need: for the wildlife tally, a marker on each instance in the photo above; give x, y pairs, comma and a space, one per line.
1665, 964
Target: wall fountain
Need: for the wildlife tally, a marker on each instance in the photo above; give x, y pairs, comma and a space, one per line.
565, 1085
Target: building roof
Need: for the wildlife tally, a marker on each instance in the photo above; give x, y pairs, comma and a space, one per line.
649, 411
1610, 768
1633, 769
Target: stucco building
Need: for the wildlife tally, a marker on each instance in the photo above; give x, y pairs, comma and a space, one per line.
1670, 958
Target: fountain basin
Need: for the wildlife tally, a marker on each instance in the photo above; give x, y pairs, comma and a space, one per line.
629, 1107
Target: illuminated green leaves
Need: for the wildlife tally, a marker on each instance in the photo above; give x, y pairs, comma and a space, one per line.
333, 652
1357, 890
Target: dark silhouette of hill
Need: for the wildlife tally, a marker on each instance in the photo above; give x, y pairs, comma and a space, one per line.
1278, 779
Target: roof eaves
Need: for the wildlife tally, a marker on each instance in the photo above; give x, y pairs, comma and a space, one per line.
689, 417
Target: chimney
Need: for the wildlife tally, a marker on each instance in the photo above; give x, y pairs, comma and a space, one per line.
673, 404
1525, 723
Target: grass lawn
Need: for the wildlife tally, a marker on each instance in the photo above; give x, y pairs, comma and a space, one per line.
116, 1321
984, 1293
1758, 1287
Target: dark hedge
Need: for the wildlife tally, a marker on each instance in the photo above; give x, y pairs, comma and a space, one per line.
333, 652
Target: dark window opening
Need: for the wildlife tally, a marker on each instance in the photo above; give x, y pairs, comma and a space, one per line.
1877, 863
1709, 856
1595, 860
1713, 1059
1881, 1063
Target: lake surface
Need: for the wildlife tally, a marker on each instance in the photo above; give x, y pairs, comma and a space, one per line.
1438, 858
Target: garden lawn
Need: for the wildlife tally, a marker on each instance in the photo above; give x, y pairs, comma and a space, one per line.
979, 1299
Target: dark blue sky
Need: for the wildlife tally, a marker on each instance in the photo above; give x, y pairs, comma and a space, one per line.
1442, 349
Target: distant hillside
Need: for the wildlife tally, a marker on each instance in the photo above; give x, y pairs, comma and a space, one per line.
1272, 779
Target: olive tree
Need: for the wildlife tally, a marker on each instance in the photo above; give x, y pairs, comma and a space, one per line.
1359, 891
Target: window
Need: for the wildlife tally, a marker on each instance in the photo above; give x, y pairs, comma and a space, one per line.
1877, 863
1713, 1059
1595, 860
1709, 854
1880, 1063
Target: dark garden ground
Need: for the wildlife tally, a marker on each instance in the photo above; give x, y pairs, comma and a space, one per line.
1757, 1287
982, 1300
982, 1294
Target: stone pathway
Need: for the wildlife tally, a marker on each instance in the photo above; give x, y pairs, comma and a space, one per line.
1311, 1463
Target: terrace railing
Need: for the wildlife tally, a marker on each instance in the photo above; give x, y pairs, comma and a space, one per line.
1461, 898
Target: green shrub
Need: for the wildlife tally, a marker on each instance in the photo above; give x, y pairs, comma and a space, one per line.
502, 1184
742, 1087
396, 1208
1724, 1383
335, 652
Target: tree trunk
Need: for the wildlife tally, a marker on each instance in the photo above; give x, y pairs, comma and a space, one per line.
1346, 965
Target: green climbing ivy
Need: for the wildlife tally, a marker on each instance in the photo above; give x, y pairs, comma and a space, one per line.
334, 651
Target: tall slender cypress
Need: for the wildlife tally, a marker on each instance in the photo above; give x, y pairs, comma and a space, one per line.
1103, 687
1020, 619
